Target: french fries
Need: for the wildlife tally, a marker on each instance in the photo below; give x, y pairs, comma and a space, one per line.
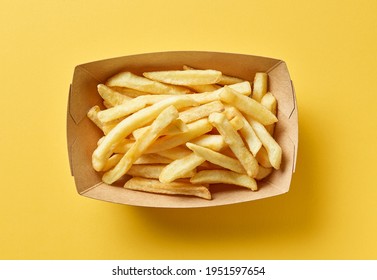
136, 120
130, 80
224, 176
217, 158
234, 141
248, 106
111, 96
155, 186
179, 132
259, 86
185, 77
165, 118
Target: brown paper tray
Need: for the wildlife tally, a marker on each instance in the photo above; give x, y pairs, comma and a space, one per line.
82, 134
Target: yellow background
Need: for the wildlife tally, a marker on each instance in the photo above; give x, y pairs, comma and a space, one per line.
330, 49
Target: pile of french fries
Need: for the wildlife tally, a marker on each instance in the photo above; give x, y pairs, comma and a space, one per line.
180, 131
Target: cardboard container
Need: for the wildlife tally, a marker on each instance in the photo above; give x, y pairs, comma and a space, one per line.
82, 134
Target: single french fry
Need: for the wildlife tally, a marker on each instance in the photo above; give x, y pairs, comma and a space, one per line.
196, 113
123, 146
247, 132
263, 172
262, 158
107, 104
224, 177
259, 86
229, 80
204, 88
175, 188
224, 80
185, 160
111, 96
122, 110
130, 92
211, 141
177, 126
151, 171
141, 144
130, 80
175, 153
195, 129
112, 161
234, 141
237, 123
217, 158
152, 159
180, 167
93, 116
274, 151
243, 88
185, 77
132, 122
269, 101
248, 106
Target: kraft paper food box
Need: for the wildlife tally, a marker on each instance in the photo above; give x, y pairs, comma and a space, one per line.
82, 134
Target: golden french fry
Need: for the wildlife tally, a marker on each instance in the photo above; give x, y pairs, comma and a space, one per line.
229, 80
262, 158
187, 160
185, 77
122, 110
263, 172
111, 96
217, 158
180, 167
132, 122
273, 149
237, 123
93, 116
155, 186
243, 88
177, 126
175, 153
152, 159
247, 132
130, 80
269, 101
211, 141
259, 85
195, 129
206, 97
123, 146
163, 120
235, 142
196, 113
151, 171
112, 161
129, 92
224, 80
204, 88
247, 105
107, 105
224, 177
